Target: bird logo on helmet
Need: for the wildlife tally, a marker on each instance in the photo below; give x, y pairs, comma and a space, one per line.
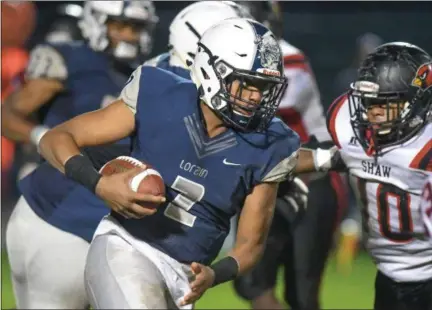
423, 78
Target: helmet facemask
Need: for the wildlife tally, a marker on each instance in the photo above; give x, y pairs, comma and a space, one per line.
129, 50
401, 117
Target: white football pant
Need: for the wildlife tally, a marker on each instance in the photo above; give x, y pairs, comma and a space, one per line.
123, 272
47, 264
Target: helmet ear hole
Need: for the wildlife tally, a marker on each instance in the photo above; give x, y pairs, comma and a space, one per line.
201, 91
205, 75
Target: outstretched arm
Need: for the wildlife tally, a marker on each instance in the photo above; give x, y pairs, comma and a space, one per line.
315, 157
253, 226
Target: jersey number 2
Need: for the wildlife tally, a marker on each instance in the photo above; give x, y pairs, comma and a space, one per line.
190, 193
384, 193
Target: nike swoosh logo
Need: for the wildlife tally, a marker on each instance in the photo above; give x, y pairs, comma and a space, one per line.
230, 164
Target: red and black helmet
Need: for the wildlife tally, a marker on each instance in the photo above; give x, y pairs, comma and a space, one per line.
396, 74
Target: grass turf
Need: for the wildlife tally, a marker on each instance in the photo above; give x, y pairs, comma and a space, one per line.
338, 291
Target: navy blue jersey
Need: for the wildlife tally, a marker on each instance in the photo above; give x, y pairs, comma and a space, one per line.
88, 77
207, 179
90, 83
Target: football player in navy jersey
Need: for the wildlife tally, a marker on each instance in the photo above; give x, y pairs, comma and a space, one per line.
221, 123
58, 215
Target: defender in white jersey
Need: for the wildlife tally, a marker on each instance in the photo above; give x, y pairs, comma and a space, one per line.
301, 245
383, 131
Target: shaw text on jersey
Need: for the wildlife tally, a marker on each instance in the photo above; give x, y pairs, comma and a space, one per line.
378, 170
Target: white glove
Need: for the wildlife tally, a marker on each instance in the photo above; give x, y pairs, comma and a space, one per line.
325, 160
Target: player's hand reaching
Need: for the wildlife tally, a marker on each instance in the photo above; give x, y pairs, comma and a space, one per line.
204, 278
115, 190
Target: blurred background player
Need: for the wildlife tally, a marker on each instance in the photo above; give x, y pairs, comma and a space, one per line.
186, 29
383, 131
64, 79
64, 27
301, 247
364, 45
17, 24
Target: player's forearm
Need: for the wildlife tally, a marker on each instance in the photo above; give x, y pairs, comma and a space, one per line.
15, 127
57, 147
305, 162
253, 227
250, 242
248, 252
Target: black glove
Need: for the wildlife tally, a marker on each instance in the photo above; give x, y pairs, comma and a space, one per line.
292, 200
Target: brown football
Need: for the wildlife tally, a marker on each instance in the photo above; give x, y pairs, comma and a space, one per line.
148, 181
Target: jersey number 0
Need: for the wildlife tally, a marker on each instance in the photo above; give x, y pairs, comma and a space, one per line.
390, 197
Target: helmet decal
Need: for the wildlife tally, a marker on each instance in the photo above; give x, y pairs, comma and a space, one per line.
268, 51
423, 78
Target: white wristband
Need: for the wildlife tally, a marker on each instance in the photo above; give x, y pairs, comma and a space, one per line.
323, 159
37, 133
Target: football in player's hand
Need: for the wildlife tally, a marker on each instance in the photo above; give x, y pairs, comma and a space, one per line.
148, 181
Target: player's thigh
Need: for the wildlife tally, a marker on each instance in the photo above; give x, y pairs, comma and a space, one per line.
47, 264
117, 276
313, 238
390, 294
264, 274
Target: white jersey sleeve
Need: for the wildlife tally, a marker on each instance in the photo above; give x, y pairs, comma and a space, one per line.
46, 63
130, 91
426, 207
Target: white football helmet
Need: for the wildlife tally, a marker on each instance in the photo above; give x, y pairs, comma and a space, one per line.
94, 29
243, 50
188, 26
